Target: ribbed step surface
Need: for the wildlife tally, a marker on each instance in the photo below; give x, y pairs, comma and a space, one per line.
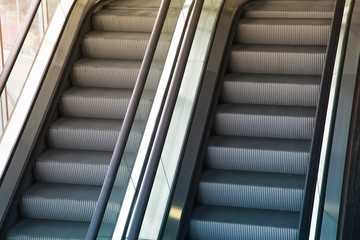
278, 59
69, 173
109, 73
258, 154
290, 90
102, 103
253, 178
264, 121
134, 20
280, 31
214, 222
251, 190
91, 134
64, 166
290, 9
44, 230
62, 202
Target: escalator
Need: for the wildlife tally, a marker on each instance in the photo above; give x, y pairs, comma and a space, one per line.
71, 161
252, 182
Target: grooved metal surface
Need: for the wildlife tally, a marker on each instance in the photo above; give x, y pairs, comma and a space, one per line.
264, 121
251, 190
69, 174
102, 103
278, 31
108, 73
259, 155
90, 134
130, 20
289, 90
253, 177
276, 59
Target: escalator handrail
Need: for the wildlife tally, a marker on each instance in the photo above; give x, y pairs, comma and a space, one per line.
161, 133
320, 118
19, 42
127, 123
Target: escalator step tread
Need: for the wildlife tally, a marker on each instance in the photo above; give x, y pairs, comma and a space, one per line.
111, 73
65, 202
91, 134
106, 103
251, 190
310, 49
265, 110
285, 181
64, 166
215, 222
272, 144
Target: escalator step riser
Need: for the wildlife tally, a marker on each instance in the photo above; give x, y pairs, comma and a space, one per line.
202, 230
247, 196
288, 14
283, 34
277, 62
112, 20
264, 126
97, 107
111, 77
68, 173
114, 48
257, 160
88, 139
270, 93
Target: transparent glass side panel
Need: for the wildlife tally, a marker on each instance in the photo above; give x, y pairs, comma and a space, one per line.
118, 207
12, 16
176, 136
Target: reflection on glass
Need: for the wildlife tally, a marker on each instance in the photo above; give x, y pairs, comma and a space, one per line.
144, 125
176, 135
12, 15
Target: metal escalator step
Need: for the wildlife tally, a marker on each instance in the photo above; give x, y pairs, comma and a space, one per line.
131, 20
271, 89
258, 154
111, 73
62, 202
290, 9
38, 229
283, 31
277, 59
264, 121
283, 192
121, 45
102, 103
138, 4
214, 222
65, 166
91, 134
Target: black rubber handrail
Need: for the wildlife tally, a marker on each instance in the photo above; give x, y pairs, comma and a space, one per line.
19, 42
127, 123
320, 118
155, 155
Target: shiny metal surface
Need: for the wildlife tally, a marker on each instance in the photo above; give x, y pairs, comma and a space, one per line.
330, 182
181, 118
